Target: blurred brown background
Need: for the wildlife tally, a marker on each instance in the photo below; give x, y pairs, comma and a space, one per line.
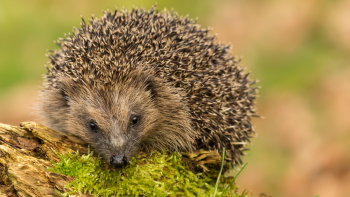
299, 50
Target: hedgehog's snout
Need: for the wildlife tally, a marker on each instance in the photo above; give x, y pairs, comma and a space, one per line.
118, 161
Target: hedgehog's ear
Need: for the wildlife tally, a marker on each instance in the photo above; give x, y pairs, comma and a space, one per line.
61, 96
64, 96
66, 88
53, 106
150, 87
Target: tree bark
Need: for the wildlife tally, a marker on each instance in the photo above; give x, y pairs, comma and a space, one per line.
25, 154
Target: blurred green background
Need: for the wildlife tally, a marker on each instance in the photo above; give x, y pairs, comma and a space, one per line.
299, 50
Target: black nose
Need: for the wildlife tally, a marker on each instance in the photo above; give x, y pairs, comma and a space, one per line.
118, 161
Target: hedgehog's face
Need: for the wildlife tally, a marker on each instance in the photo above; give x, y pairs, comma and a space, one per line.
117, 129
115, 121
141, 112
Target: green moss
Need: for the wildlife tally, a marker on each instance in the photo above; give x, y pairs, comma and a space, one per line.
158, 174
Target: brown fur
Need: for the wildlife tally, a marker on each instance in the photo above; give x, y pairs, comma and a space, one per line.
185, 87
111, 108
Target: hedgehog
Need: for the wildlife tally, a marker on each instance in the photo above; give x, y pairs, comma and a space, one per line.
144, 80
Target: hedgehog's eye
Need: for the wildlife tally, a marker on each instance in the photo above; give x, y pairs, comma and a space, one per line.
134, 120
93, 126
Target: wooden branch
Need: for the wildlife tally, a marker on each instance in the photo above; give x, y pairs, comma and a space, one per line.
25, 154
27, 151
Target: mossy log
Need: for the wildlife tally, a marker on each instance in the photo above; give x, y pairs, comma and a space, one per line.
26, 152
